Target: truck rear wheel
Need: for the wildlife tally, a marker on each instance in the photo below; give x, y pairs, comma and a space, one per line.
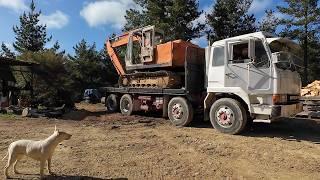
228, 116
180, 111
112, 103
126, 105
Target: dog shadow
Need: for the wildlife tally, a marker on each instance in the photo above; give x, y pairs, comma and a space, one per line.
64, 177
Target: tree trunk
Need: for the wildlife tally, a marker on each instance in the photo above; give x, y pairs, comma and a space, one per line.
305, 52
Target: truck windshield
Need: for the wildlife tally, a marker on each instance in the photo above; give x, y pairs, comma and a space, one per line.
288, 54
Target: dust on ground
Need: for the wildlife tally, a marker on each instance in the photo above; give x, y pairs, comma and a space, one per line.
112, 146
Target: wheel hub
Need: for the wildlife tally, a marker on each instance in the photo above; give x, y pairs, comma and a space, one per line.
126, 105
177, 111
225, 116
111, 103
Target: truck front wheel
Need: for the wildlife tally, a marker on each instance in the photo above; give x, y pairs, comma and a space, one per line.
180, 111
228, 116
126, 105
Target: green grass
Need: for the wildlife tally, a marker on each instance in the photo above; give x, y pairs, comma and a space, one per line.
8, 116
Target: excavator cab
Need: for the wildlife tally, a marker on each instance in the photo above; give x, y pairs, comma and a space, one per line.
141, 44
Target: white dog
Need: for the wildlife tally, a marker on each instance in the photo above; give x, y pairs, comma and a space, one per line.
39, 150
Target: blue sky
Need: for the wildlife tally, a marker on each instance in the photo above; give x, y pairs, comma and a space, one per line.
69, 21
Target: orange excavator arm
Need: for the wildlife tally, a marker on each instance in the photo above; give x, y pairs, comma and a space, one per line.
111, 45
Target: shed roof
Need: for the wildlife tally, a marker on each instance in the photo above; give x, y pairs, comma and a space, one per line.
14, 62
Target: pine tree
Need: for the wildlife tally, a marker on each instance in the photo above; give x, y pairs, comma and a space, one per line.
269, 23
51, 80
6, 52
183, 13
303, 25
30, 35
90, 68
314, 58
84, 51
56, 47
230, 18
175, 17
135, 19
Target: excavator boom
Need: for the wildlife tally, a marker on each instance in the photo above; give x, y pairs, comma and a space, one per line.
114, 58
111, 44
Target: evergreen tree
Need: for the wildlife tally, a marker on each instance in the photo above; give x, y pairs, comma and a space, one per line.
269, 23
303, 25
55, 48
183, 13
314, 58
175, 17
52, 85
90, 68
30, 35
111, 74
230, 18
6, 52
135, 19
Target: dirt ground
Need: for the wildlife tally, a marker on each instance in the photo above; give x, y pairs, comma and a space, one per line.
111, 146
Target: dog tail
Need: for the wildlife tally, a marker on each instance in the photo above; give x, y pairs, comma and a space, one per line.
5, 156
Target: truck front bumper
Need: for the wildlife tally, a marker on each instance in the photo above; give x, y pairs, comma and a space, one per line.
272, 112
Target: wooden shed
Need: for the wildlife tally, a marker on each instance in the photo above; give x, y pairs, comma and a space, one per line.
8, 87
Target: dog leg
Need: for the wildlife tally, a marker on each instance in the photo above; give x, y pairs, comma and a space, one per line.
49, 166
5, 171
15, 165
42, 163
11, 160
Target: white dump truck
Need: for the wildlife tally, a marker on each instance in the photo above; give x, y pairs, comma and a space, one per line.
252, 77
234, 81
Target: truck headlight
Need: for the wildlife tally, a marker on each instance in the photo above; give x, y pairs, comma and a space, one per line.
279, 98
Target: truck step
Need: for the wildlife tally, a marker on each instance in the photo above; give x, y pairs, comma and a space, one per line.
262, 121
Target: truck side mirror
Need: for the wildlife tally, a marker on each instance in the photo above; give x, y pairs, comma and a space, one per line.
251, 48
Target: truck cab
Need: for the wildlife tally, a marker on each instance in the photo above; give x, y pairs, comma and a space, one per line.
251, 77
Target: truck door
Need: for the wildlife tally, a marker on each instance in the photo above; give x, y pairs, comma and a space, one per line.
215, 67
247, 65
236, 65
259, 70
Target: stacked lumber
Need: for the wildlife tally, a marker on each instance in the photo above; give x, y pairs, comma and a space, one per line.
312, 89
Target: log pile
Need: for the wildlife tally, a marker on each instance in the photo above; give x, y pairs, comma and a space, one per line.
44, 112
312, 89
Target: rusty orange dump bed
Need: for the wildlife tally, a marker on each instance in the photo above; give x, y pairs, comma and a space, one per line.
173, 54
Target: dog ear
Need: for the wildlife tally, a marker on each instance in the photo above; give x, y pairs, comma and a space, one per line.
55, 128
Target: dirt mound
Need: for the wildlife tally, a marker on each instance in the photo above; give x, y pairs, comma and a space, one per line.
85, 111
312, 89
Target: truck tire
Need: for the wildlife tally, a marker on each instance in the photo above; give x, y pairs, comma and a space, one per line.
126, 105
180, 111
112, 103
228, 116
